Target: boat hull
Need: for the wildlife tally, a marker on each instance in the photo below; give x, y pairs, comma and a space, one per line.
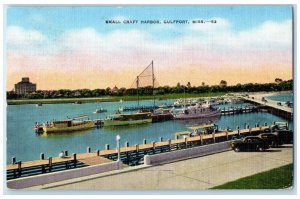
88, 125
124, 123
195, 116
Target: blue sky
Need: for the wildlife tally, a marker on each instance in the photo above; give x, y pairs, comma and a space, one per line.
245, 41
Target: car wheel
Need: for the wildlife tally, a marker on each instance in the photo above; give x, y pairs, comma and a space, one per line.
237, 149
260, 149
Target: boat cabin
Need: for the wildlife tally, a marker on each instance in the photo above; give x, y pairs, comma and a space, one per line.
204, 129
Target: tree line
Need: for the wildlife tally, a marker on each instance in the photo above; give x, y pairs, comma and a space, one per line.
162, 90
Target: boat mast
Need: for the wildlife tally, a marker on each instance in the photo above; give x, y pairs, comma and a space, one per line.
137, 90
153, 80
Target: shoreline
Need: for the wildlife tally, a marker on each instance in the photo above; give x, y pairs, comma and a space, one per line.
134, 98
110, 98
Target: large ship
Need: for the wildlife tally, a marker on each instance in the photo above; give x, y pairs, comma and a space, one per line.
128, 119
197, 111
75, 124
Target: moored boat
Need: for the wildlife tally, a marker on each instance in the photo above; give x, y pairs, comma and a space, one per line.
100, 110
128, 119
197, 111
75, 124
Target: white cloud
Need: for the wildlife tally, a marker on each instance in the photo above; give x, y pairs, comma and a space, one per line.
19, 37
196, 45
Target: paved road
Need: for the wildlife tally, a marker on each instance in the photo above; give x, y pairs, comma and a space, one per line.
197, 173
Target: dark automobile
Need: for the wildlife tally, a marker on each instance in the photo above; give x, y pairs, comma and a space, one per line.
270, 138
284, 136
250, 143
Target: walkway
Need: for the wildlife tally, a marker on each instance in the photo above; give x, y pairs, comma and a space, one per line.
192, 174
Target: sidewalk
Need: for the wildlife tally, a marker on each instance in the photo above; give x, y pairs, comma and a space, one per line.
192, 174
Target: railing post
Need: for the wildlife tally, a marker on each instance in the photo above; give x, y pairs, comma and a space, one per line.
74, 159
42, 156
126, 144
98, 152
66, 153
50, 163
88, 149
161, 139
137, 147
106, 146
169, 144
13, 160
186, 142
226, 132
214, 136
19, 168
145, 141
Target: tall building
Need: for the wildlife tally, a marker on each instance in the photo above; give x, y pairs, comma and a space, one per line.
25, 86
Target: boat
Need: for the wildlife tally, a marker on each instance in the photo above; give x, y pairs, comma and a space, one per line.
196, 111
75, 124
128, 119
100, 110
39, 104
198, 130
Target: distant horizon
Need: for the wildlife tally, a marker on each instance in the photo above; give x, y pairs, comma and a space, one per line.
181, 84
76, 48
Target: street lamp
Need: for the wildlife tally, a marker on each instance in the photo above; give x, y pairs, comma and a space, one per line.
118, 146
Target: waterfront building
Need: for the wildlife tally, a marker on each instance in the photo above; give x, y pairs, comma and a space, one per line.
25, 86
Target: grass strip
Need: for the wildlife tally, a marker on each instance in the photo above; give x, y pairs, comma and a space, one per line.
278, 178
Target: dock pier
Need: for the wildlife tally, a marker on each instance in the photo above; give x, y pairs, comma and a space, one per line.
129, 155
272, 107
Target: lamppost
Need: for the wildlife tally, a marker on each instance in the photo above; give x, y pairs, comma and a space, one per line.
118, 146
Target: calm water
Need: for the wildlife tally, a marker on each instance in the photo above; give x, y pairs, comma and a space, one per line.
282, 97
25, 144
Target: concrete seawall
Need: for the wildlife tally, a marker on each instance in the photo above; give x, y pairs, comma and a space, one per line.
186, 153
62, 175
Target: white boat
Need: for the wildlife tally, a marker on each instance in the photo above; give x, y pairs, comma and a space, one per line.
100, 110
197, 111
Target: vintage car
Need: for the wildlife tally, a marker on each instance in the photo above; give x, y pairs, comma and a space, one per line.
270, 138
250, 143
284, 136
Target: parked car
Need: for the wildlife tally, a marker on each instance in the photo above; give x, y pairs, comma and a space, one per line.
250, 143
284, 136
270, 138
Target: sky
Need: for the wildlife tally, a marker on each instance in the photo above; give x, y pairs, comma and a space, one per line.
74, 48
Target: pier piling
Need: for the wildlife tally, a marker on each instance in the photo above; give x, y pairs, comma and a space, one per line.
98, 152
42, 156
66, 153
161, 139
106, 146
13, 160
88, 149
145, 141
126, 144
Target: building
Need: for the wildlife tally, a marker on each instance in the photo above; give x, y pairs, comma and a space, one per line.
25, 86
114, 90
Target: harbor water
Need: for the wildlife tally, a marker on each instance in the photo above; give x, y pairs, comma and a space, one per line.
284, 97
25, 144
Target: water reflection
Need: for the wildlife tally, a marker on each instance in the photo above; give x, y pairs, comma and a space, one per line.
199, 121
63, 134
125, 128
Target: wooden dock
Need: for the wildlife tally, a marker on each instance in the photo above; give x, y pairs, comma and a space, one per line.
272, 107
130, 155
